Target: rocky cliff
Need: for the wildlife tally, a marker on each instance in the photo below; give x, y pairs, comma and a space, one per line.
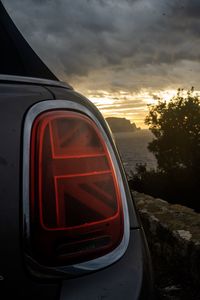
121, 125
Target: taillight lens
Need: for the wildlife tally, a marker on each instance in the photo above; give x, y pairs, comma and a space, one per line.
76, 211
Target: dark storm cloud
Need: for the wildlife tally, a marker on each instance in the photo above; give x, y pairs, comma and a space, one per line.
190, 9
146, 39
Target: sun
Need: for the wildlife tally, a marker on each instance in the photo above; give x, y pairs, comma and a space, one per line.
165, 95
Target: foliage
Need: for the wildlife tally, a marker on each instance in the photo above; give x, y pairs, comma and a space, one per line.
176, 127
175, 187
176, 146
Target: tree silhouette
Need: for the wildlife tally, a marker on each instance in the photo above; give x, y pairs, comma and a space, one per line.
176, 127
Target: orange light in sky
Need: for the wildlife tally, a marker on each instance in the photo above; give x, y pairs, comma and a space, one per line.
129, 105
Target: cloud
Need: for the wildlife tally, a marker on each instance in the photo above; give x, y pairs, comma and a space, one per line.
110, 44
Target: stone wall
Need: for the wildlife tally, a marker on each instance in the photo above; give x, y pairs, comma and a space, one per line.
173, 234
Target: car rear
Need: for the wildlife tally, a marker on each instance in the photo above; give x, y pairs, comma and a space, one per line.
69, 229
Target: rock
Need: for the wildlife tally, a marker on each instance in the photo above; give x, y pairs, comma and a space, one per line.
121, 125
173, 234
185, 234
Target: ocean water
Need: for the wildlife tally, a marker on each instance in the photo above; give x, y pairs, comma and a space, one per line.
133, 150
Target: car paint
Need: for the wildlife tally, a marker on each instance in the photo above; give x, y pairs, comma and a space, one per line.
129, 278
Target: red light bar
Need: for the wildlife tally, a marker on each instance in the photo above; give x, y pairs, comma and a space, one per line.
76, 208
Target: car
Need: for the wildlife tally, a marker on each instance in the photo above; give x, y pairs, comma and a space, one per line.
69, 225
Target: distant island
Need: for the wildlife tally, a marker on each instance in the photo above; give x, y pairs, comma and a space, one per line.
121, 125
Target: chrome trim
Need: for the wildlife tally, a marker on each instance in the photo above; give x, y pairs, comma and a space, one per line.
34, 80
118, 252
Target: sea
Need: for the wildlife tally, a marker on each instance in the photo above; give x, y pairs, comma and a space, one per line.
133, 150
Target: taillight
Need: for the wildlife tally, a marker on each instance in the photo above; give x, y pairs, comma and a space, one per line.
76, 207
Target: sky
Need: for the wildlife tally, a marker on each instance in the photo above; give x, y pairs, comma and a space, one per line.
121, 54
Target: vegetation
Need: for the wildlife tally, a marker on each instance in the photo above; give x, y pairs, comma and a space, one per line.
176, 146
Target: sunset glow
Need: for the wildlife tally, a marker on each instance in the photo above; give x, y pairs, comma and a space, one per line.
129, 105
122, 55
